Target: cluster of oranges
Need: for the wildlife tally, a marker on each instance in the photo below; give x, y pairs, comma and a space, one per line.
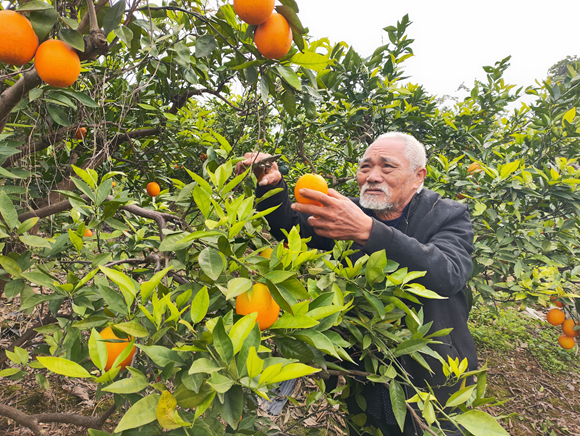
273, 36
55, 61
557, 316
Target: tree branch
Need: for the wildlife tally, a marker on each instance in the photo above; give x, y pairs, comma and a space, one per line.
11, 96
28, 335
32, 421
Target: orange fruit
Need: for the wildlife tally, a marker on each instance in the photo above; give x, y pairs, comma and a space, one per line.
267, 253
310, 181
566, 342
254, 11
555, 316
88, 233
474, 167
18, 42
81, 133
260, 301
114, 184
556, 302
153, 189
274, 37
203, 157
116, 348
568, 328
57, 63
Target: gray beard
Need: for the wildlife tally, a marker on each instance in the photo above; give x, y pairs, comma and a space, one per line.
374, 204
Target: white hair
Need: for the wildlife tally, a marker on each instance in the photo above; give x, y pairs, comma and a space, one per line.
414, 150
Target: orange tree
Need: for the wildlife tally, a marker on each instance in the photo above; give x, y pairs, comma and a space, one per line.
163, 272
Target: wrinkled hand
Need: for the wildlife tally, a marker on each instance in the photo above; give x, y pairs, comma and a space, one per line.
339, 218
268, 176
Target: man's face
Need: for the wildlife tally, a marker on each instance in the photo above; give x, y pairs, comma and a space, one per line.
384, 177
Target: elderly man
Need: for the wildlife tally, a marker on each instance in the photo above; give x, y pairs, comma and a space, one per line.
417, 228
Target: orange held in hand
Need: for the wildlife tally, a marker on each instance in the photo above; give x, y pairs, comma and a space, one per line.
566, 342
18, 42
57, 63
568, 328
153, 189
116, 348
254, 11
555, 316
310, 181
274, 37
260, 301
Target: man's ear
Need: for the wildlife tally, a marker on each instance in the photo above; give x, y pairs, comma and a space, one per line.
420, 175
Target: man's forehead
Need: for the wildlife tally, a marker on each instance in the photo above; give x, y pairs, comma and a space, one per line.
387, 148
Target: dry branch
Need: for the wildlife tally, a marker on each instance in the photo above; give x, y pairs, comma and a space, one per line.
32, 421
28, 335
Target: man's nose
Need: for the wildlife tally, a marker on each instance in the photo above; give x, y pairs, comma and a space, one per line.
375, 176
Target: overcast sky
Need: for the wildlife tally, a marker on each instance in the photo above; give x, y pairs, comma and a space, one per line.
455, 39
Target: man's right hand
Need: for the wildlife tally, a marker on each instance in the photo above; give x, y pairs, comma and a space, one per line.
269, 176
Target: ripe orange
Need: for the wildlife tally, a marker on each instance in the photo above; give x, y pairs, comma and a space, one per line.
254, 11
566, 342
555, 316
474, 167
88, 233
114, 184
116, 348
556, 302
568, 328
18, 42
153, 189
57, 63
310, 181
267, 253
81, 133
203, 157
260, 301
274, 37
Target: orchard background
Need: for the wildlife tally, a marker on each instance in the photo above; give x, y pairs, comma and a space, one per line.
175, 94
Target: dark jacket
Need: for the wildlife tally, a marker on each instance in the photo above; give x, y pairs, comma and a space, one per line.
434, 235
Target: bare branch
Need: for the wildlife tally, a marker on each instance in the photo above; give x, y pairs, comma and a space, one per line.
85, 20
11, 96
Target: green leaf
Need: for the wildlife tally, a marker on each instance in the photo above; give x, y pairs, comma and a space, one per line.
287, 321
129, 385
34, 241
8, 211
167, 415
143, 412
27, 225
42, 20
113, 17
204, 366
220, 382
9, 372
254, 364
398, 402
311, 60
124, 283
240, 331
480, 424
148, 287
418, 289
211, 262
233, 407
290, 14
290, 76
98, 350
34, 6
460, 396
410, 346
124, 34
204, 46
569, 116
222, 342
133, 328
293, 370
72, 38
199, 305
238, 286
317, 340
162, 356
58, 115
62, 366
11, 266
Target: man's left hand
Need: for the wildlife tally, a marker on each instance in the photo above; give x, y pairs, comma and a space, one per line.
339, 218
